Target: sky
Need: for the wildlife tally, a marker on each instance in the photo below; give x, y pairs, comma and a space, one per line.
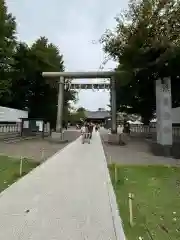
75, 26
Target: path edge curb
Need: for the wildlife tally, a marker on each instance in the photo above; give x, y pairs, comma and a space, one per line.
117, 221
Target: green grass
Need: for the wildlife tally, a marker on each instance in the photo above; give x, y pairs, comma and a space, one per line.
156, 204
9, 170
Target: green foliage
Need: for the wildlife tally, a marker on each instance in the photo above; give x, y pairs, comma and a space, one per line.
7, 44
78, 115
9, 168
146, 44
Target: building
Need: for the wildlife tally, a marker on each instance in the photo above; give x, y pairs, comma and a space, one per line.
11, 115
100, 116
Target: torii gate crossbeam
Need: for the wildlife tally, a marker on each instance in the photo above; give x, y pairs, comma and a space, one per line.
78, 75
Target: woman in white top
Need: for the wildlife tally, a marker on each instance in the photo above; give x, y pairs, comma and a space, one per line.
85, 133
83, 129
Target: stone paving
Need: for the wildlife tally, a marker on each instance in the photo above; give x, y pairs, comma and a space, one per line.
136, 152
70, 196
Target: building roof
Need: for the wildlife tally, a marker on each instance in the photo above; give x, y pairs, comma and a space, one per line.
97, 114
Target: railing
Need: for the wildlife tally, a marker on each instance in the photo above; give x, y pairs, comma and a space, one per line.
9, 128
176, 131
16, 128
145, 130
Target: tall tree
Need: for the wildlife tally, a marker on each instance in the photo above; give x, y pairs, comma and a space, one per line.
78, 115
36, 94
7, 44
21, 83
146, 43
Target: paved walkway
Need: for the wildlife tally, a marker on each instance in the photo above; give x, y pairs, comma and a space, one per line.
69, 197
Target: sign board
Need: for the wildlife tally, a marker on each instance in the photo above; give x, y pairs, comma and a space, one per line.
39, 124
26, 124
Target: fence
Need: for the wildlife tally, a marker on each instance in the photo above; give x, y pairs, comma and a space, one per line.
142, 130
10, 128
16, 128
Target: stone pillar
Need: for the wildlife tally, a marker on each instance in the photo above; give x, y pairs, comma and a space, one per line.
158, 107
113, 106
163, 112
60, 105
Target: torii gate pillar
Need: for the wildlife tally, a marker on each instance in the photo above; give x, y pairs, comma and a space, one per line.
113, 106
60, 105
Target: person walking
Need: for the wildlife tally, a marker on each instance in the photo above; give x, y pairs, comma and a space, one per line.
96, 127
85, 133
126, 127
90, 129
126, 132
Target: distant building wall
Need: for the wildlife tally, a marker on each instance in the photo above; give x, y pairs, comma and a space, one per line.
11, 114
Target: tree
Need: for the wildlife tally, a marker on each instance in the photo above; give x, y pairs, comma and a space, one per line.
7, 44
78, 115
146, 44
21, 83
81, 110
36, 94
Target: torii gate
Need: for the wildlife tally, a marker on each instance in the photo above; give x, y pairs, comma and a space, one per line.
62, 76
163, 104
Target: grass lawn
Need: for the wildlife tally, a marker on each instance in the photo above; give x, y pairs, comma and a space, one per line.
156, 204
9, 170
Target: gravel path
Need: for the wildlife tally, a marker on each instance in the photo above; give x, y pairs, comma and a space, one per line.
35, 149
136, 152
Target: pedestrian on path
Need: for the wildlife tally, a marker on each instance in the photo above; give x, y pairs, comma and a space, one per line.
85, 133
90, 129
96, 127
126, 132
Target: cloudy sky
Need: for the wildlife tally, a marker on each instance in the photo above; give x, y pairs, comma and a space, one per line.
73, 25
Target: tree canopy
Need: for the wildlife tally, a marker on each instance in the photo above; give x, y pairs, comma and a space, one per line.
21, 83
146, 45
7, 45
78, 115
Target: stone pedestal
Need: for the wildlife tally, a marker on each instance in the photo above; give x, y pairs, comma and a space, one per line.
161, 150
58, 137
163, 112
164, 119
